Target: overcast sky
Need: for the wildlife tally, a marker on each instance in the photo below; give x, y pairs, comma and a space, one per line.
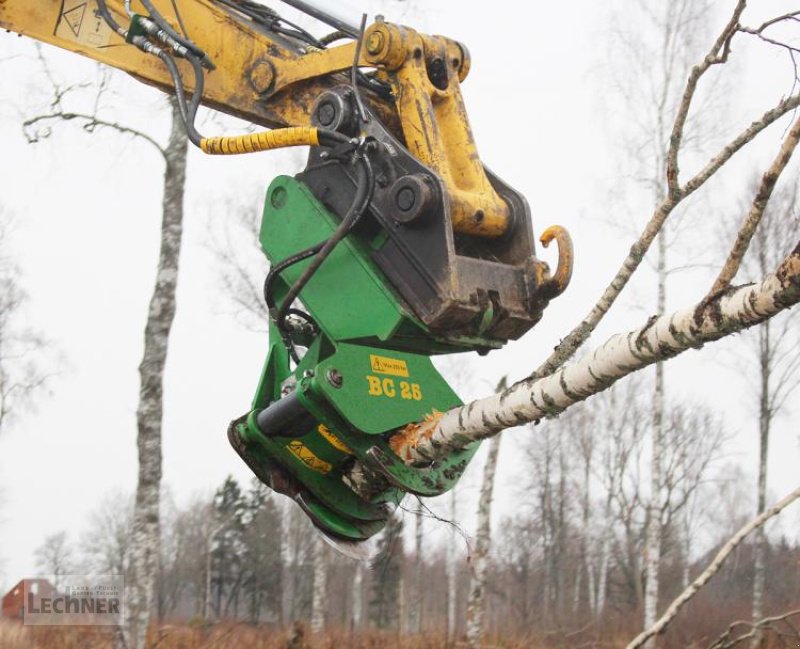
87, 209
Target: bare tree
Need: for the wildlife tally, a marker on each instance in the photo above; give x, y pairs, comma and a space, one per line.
783, 627
145, 530
54, 557
320, 585
357, 610
773, 350
476, 604
660, 41
419, 566
452, 571
105, 542
21, 373
712, 569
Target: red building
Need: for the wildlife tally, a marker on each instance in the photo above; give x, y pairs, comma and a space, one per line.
14, 600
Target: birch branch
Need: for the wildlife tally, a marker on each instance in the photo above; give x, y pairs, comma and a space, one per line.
727, 640
573, 341
718, 54
753, 219
712, 569
90, 123
659, 339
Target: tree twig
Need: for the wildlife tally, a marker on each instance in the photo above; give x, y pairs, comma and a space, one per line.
754, 216
725, 641
91, 122
717, 55
575, 339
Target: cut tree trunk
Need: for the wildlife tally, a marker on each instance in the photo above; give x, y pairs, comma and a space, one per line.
659, 339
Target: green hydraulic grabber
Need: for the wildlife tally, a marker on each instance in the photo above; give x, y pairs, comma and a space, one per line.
368, 279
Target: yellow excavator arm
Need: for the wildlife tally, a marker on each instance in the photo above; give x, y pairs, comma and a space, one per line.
251, 67
273, 79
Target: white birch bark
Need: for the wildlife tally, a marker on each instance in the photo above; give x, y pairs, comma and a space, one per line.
319, 587
358, 598
419, 566
402, 608
759, 569
476, 605
660, 338
452, 581
287, 569
652, 547
144, 547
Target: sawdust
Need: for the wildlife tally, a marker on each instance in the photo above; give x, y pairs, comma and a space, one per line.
407, 438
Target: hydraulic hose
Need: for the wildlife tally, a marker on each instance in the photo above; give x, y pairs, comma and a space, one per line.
161, 22
365, 185
269, 140
105, 14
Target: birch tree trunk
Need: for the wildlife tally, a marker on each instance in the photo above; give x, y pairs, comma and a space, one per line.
145, 532
686, 541
319, 587
476, 606
652, 547
452, 581
287, 570
605, 559
358, 598
759, 570
419, 567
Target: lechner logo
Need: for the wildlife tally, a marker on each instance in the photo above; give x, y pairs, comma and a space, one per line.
69, 600
393, 366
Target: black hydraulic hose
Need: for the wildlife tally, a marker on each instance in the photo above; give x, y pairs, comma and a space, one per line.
188, 110
324, 16
333, 37
161, 22
277, 269
296, 258
365, 185
197, 95
105, 14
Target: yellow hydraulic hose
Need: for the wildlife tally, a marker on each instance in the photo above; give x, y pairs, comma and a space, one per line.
261, 141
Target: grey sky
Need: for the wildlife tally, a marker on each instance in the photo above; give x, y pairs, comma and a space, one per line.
87, 215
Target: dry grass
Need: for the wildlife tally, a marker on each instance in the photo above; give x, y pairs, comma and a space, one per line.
240, 636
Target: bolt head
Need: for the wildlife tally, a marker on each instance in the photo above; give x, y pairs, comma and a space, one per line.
406, 198
335, 378
326, 113
375, 42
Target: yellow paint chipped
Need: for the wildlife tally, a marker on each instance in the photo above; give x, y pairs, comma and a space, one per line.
307, 457
334, 441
